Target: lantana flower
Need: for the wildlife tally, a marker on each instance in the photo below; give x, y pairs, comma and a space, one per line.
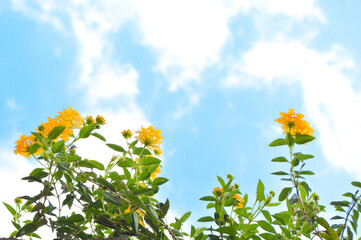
150, 137
23, 144
293, 123
239, 202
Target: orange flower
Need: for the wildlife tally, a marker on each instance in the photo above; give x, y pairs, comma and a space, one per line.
71, 116
89, 120
127, 134
293, 123
218, 192
23, 144
100, 120
239, 202
150, 137
47, 127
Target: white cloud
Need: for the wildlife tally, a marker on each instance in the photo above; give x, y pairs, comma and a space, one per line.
331, 102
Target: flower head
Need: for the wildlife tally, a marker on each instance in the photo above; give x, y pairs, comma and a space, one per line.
293, 123
89, 120
23, 144
52, 123
150, 137
100, 120
18, 200
239, 201
127, 134
218, 192
71, 116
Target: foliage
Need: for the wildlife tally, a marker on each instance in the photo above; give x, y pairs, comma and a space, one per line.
119, 199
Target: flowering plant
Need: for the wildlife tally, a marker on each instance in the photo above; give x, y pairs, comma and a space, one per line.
118, 199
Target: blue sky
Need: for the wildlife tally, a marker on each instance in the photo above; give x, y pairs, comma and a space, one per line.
211, 74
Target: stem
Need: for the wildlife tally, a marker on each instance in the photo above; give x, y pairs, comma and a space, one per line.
347, 215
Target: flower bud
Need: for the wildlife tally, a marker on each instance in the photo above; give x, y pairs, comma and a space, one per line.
18, 200
89, 120
100, 120
127, 134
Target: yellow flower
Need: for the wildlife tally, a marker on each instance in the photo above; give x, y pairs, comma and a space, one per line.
127, 210
141, 215
293, 123
239, 202
100, 120
142, 185
89, 120
154, 174
23, 144
47, 127
150, 137
218, 192
71, 116
127, 134
18, 200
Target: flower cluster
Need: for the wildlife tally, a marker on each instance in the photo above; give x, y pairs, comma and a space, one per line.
294, 124
150, 137
239, 202
23, 144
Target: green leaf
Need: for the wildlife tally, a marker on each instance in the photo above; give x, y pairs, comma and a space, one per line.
266, 226
290, 139
159, 181
185, 217
267, 215
356, 184
282, 217
105, 183
10, 208
279, 159
207, 198
109, 197
221, 181
278, 142
39, 173
116, 147
206, 219
260, 191
301, 156
293, 199
302, 139
146, 161
32, 179
135, 201
97, 165
227, 230
284, 193
58, 146
164, 209
280, 173
339, 203
135, 222
55, 132
141, 151
307, 173
34, 148
75, 218
87, 130
97, 135
268, 236
337, 217
28, 228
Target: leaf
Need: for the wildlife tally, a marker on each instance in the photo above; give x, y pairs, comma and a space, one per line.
97, 135
227, 230
159, 181
116, 147
10, 208
266, 226
290, 139
97, 165
278, 142
282, 217
28, 228
109, 197
135, 201
267, 215
87, 130
307, 173
75, 218
39, 173
339, 203
55, 132
279, 159
301, 156
185, 217
302, 139
146, 161
280, 173
58, 146
284, 193
207, 198
206, 219
356, 184
293, 199
164, 209
135, 222
221, 181
34, 148
260, 191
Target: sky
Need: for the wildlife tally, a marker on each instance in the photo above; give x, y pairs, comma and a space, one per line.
212, 75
